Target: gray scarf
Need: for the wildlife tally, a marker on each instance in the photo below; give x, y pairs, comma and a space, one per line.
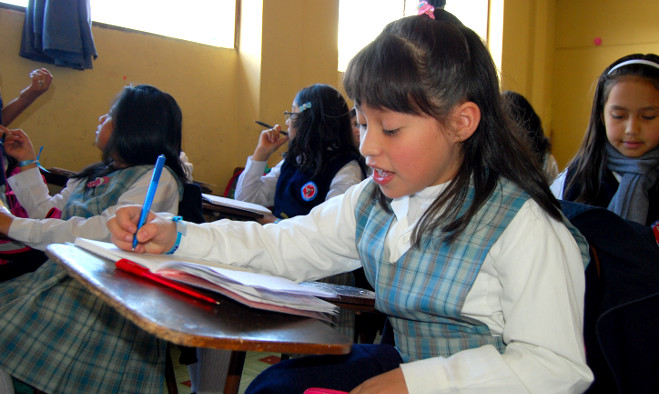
631, 200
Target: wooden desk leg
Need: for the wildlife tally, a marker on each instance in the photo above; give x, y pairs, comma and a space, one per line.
236, 363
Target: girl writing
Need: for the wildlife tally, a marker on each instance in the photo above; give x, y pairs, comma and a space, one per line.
617, 165
457, 231
55, 335
322, 160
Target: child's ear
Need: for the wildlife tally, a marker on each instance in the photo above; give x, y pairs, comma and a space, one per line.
465, 120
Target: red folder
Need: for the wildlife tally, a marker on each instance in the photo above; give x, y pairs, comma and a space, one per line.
143, 272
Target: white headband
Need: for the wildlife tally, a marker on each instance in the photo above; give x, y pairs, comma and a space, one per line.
633, 61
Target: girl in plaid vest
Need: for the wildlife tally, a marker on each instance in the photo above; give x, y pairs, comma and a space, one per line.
54, 334
480, 276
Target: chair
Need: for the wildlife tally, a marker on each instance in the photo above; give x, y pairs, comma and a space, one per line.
621, 320
190, 207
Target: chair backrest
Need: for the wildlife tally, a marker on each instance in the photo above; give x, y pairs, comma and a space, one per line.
190, 208
621, 320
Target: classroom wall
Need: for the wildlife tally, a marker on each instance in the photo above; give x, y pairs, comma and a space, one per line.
548, 55
526, 52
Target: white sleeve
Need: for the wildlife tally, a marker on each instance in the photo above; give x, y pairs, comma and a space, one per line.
32, 192
40, 233
305, 247
557, 187
254, 187
349, 175
537, 286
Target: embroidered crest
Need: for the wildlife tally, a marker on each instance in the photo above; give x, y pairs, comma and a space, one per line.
309, 191
98, 182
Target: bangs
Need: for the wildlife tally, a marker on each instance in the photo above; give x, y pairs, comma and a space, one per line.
416, 65
384, 74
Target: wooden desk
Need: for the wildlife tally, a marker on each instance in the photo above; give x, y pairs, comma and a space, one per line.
186, 321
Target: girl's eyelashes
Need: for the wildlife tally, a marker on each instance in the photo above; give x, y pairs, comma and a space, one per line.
390, 132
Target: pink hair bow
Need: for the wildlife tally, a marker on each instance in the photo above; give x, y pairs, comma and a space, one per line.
425, 8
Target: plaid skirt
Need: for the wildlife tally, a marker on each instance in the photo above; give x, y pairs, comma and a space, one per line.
59, 338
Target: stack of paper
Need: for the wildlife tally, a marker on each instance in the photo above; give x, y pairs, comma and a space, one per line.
231, 203
253, 289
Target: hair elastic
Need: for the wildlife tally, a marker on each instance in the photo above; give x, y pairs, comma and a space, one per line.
633, 61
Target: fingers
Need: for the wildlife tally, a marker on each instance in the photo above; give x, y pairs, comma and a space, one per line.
17, 144
152, 237
275, 135
14, 134
41, 79
123, 224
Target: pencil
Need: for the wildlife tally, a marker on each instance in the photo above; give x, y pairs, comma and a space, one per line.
269, 127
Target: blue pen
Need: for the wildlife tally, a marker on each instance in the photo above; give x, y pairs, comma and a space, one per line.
149, 195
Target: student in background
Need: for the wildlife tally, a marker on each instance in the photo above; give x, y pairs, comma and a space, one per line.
322, 160
480, 276
524, 114
617, 165
15, 257
55, 335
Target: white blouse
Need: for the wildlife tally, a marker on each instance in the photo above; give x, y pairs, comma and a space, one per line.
254, 187
530, 289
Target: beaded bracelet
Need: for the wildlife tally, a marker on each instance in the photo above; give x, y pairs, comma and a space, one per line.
177, 220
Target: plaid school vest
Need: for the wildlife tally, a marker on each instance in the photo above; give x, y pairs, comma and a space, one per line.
92, 198
424, 291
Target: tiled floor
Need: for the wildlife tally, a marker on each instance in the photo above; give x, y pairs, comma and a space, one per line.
255, 363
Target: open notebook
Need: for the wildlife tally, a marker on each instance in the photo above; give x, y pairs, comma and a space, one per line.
252, 289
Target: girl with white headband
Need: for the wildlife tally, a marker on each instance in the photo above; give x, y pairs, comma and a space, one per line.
617, 165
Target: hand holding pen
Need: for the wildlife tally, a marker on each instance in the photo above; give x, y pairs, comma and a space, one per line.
150, 194
267, 126
269, 141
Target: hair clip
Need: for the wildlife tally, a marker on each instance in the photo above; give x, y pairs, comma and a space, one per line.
305, 106
425, 8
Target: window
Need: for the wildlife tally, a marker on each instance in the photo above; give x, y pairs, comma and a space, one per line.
209, 22
360, 21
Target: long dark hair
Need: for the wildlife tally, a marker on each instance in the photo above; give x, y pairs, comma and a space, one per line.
589, 164
147, 122
322, 131
523, 113
418, 65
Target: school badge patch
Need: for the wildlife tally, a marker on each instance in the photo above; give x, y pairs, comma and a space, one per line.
309, 191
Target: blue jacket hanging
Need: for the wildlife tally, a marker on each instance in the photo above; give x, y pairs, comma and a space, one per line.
59, 32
